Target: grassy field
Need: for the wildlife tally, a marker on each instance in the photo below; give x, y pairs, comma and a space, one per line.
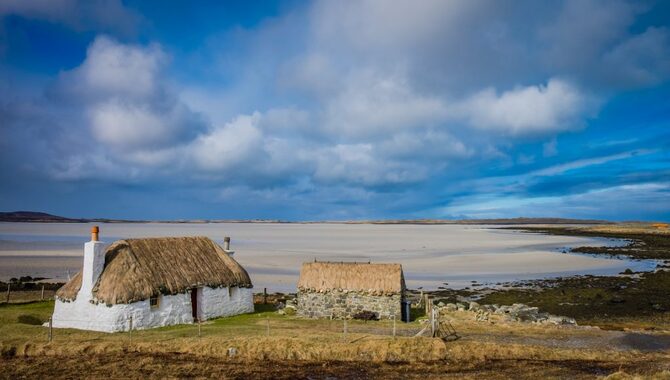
239, 346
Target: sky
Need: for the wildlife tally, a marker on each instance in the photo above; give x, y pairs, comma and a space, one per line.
335, 110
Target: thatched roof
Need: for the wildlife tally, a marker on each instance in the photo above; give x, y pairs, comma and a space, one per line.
359, 277
136, 269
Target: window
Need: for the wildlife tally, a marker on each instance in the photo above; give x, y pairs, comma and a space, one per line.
232, 291
153, 302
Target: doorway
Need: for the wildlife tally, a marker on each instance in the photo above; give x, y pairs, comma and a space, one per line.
194, 304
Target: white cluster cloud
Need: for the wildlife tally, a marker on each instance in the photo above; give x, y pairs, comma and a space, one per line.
128, 107
554, 107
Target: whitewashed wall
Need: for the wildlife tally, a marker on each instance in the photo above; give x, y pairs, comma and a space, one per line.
221, 302
175, 309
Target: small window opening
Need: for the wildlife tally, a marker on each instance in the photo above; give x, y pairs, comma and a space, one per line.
153, 302
230, 292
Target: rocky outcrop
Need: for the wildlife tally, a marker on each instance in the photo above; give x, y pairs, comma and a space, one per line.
510, 313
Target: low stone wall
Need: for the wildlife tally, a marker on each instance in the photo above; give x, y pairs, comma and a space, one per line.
342, 304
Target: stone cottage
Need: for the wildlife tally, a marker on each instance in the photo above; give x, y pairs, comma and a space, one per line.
341, 290
152, 282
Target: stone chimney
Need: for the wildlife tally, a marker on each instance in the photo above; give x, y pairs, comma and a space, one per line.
226, 246
94, 262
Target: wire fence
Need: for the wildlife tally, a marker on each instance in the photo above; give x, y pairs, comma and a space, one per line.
256, 326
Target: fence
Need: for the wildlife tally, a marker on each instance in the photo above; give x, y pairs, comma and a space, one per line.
19, 294
265, 324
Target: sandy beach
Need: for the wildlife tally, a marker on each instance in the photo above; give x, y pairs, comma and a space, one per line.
273, 253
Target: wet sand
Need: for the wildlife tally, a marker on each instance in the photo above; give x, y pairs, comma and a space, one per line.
272, 253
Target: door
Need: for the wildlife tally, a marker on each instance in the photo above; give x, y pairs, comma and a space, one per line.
194, 304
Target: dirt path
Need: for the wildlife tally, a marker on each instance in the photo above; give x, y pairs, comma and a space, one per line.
611, 340
136, 365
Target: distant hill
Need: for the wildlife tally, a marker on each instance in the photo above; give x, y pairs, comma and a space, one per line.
41, 217
501, 221
534, 221
31, 216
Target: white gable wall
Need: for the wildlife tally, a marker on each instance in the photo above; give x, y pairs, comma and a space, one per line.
217, 302
172, 309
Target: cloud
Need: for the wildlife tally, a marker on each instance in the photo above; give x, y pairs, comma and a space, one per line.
394, 105
371, 106
593, 40
113, 69
554, 107
642, 60
128, 106
641, 201
234, 144
80, 15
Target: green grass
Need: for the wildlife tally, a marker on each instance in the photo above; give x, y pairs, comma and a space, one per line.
22, 324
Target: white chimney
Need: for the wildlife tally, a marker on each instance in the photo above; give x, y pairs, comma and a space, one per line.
94, 262
226, 246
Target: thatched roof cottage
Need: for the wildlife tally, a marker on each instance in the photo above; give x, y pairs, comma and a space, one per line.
342, 290
153, 282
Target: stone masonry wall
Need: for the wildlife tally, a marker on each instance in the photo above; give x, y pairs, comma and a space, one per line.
341, 304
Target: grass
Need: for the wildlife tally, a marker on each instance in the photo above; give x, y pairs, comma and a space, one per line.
296, 345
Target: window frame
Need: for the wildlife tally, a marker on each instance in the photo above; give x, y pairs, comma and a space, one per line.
157, 304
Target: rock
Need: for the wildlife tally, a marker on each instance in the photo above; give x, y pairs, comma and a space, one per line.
561, 320
461, 307
232, 351
474, 306
450, 307
627, 271
616, 299
482, 316
440, 304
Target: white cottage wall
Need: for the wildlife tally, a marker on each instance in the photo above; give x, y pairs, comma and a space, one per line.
172, 309
222, 302
82, 314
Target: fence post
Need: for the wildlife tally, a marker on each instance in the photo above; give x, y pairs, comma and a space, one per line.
42, 299
130, 330
199, 328
9, 289
394, 325
432, 323
51, 329
267, 326
265, 296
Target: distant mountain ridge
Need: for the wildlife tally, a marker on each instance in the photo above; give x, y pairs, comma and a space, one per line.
42, 217
31, 216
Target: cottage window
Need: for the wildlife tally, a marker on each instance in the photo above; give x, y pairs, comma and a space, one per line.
232, 291
154, 302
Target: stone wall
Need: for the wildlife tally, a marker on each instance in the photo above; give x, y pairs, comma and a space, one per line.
341, 304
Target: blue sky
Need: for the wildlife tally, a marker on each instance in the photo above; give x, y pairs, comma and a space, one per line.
332, 110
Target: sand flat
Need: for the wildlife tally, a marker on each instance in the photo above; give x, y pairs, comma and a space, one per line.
273, 252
